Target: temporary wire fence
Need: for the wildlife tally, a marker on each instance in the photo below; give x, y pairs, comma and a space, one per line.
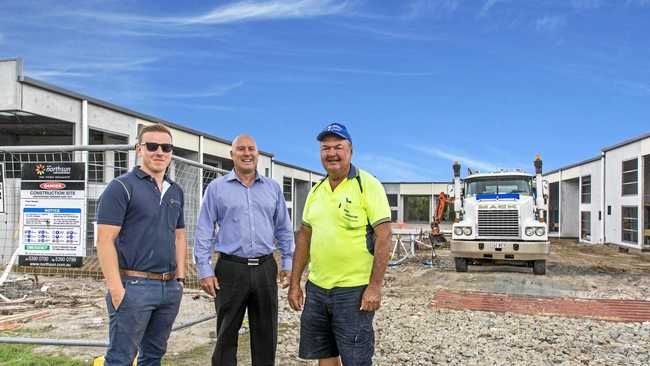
27, 292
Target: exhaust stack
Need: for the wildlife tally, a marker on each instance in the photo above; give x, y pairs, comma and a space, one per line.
457, 193
539, 187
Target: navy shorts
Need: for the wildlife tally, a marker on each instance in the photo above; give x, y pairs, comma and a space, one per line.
332, 325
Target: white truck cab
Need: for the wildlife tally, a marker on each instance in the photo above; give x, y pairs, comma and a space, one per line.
500, 218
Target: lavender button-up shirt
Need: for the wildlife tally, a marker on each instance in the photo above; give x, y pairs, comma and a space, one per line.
242, 221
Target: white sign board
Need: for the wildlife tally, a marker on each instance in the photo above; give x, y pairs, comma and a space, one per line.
52, 215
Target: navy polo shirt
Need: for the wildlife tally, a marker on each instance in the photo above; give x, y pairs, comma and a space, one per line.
147, 238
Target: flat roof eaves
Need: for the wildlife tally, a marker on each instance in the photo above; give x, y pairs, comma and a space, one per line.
627, 142
99, 102
584, 162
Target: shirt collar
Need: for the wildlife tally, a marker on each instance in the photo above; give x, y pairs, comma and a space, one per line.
142, 174
353, 172
233, 176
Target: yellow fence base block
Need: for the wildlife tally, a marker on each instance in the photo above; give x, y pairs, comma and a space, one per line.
99, 361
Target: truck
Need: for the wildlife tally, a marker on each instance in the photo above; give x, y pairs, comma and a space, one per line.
500, 219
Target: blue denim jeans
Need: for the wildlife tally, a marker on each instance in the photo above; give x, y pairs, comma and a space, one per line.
142, 322
332, 325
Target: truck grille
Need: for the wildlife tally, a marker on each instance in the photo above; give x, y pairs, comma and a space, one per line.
498, 223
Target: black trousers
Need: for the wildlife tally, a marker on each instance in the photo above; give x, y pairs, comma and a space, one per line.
252, 288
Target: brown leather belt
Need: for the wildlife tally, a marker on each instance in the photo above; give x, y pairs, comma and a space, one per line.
167, 276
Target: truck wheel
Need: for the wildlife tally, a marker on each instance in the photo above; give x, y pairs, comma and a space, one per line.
539, 267
461, 264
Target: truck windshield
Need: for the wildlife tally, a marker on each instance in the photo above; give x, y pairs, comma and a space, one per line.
504, 185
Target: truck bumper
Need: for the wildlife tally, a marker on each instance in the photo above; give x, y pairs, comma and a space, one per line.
501, 250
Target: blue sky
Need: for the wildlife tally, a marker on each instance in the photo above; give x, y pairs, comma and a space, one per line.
418, 83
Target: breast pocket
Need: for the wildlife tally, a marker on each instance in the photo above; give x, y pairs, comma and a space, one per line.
352, 215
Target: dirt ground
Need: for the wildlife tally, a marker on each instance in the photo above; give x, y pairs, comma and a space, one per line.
75, 307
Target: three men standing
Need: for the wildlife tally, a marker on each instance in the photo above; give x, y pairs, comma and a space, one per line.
251, 214
345, 237
141, 248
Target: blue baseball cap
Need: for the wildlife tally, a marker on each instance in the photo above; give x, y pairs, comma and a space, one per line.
336, 129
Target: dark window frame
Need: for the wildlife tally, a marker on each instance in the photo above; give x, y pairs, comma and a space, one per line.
425, 218
632, 223
287, 182
585, 230
393, 199
585, 189
631, 186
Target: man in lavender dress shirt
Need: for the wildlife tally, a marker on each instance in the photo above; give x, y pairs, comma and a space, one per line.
242, 214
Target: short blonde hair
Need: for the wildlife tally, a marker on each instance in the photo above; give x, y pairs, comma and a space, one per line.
158, 127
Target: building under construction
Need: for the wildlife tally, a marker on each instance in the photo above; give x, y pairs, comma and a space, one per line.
602, 200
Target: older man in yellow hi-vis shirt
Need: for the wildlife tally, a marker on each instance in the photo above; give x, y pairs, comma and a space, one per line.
345, 237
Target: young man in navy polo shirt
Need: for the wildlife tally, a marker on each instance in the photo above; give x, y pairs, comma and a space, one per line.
141, 248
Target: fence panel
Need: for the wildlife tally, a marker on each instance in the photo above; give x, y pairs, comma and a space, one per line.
102, 165
66, 305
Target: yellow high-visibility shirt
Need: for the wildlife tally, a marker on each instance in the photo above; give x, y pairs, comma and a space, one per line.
342, 223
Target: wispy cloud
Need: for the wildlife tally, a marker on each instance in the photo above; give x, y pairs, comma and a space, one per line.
211, 92
550, 24
488, 5
464, 160
198, 106
392, 169
53, 74
236, 12
89, 68
373, 72
383, 32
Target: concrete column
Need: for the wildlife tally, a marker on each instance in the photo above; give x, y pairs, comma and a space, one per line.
133, 139
559, 206
603, 202
81, 131
639, 204
580, 208
200, 160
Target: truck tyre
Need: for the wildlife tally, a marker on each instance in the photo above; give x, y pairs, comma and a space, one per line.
461, 264
539, 267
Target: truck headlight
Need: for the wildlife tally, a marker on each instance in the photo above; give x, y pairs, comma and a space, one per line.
458, 231
467, 231
540, 231
530, 231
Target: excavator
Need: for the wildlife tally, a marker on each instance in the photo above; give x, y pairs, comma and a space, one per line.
440, 211
436, 237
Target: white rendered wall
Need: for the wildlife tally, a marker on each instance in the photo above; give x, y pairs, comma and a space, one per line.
613, 190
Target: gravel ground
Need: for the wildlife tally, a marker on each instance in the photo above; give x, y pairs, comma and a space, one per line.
409, 332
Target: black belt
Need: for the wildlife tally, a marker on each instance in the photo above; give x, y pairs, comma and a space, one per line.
250, 261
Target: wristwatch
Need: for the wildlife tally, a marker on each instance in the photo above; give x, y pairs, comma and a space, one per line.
181, 280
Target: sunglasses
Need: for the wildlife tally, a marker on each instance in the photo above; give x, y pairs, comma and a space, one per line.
153, 147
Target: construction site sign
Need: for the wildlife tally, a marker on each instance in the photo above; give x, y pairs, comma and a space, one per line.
2, 188
52, 214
